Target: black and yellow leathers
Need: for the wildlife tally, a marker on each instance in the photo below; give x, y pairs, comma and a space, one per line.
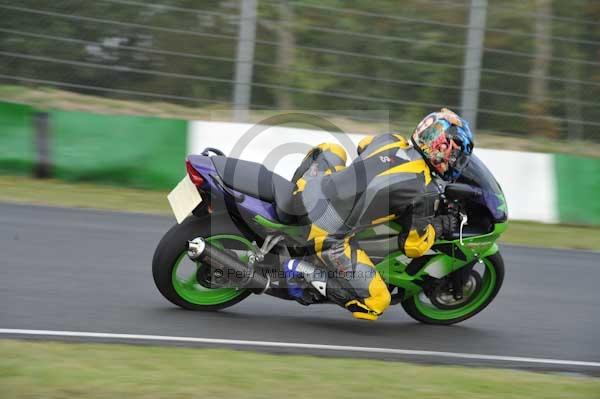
388, 181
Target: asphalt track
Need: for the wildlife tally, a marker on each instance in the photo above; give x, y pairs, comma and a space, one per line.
90, 271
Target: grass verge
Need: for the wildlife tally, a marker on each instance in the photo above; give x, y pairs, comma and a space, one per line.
552, 236
19, 189
69, 370
84, 195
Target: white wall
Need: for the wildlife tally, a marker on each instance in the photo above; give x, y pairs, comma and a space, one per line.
526, 178
226, 137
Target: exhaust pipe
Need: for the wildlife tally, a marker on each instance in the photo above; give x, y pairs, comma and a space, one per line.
199, 250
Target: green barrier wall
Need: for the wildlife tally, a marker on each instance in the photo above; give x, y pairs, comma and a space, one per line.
149, 152
117, 149
578, 186
17, 148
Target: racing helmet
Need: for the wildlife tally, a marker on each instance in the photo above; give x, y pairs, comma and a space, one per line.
445, 141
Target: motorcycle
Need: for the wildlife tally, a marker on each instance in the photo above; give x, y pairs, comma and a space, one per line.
243, 225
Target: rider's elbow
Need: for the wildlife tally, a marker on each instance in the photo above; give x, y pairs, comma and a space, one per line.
416, 245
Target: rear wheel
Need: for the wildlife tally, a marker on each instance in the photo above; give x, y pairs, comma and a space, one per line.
180, 280
480, 287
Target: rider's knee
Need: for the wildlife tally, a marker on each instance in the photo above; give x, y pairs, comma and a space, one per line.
380, 298
335, 149
331, 158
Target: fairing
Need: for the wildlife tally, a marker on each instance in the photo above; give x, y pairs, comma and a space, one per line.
477, 174
249, 205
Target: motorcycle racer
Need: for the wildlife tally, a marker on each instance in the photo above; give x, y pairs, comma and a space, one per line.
391, 179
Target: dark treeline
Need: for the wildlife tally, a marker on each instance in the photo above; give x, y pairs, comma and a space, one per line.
541, 64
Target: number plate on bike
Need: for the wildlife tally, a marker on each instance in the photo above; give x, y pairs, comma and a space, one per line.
184, 198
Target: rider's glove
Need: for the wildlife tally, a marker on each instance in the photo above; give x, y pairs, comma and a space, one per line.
444, 225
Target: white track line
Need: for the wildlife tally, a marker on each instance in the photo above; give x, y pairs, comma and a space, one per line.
295, 345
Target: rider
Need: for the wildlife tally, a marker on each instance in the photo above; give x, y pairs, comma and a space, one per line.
391, 179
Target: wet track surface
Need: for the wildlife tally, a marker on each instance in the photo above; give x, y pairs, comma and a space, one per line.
77, 270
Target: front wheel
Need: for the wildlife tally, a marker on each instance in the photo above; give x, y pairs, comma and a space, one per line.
480, 288
182, 281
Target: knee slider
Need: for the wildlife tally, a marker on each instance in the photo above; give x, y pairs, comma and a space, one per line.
380, 298
361, 311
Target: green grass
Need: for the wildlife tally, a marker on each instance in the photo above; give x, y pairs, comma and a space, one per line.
84, 195
553, 236
19, 189
69, 370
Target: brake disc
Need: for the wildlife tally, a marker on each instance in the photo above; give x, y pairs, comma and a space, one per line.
442, 295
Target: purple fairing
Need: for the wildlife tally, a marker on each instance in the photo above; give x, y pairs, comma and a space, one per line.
204, 165
478, 175
259, 207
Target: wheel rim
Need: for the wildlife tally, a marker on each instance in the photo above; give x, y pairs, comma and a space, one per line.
444, 299
424, 305
186, 285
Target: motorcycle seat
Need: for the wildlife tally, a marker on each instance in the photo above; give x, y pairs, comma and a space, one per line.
255, 180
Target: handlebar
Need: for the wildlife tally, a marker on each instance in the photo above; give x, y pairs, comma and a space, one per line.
455, 194
460, 191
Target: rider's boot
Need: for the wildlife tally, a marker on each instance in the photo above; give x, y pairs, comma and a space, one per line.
306, 282
310, 284
318, 285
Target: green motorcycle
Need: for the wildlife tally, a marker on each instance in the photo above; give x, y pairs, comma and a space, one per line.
243, 225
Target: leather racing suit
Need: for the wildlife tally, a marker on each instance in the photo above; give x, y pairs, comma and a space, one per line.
388, 181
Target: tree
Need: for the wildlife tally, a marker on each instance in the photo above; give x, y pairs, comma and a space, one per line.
285, 52
538, 85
